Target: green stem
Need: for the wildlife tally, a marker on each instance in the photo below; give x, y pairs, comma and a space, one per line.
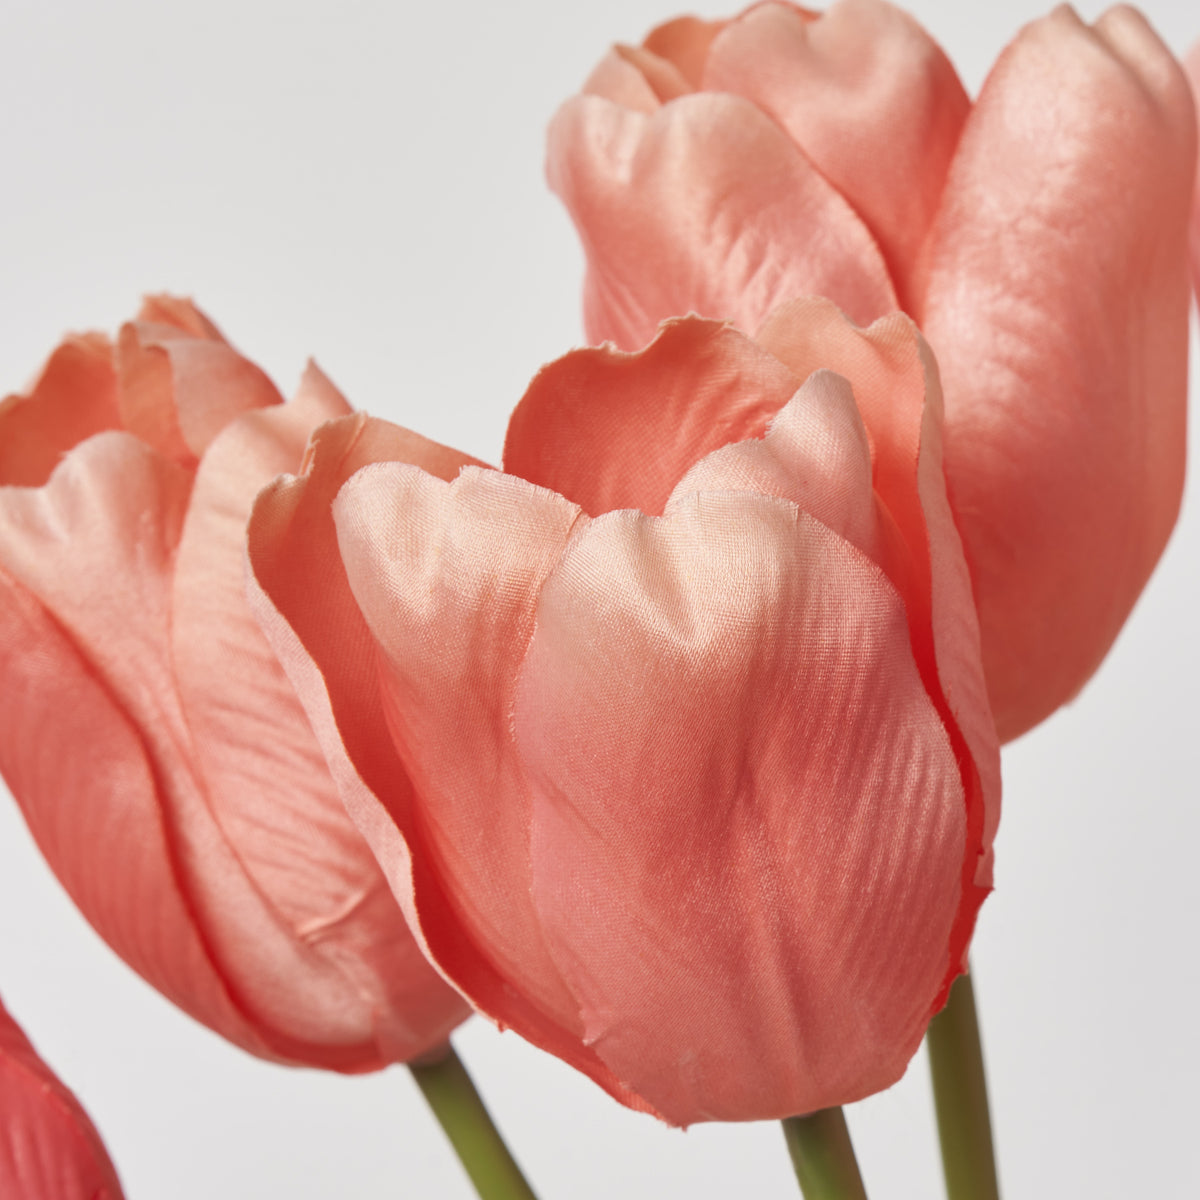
960, 1096
823, 1156
467, 1123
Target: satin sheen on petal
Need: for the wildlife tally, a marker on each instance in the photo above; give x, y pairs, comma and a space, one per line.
869, 97
709, 197
1056, 297
621, 811
160, 755
49, 1149
1038, 238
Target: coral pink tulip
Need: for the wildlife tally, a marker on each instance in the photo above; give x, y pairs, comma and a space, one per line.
153, 742
49, 1150
691, 777
1037, 236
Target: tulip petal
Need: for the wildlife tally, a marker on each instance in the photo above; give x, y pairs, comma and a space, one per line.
446, 576
267, 785
74, 397
697, 386
703, 832
684, 43
181, 382
616, 77
897, 392
97, 807
326, 649
867, 95
1056, 298
49, 1150
815, 454
705, 206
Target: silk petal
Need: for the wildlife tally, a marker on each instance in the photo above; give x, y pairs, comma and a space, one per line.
49, 1149
1055, 295
868, 96
704, 832
697, 386
705, 206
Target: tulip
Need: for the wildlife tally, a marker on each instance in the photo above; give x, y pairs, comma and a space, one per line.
1037, 236
151, 739
50, 1150
677, 756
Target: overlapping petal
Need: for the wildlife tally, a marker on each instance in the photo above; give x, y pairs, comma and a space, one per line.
868, 96
49, 1149
152, 739
705, 206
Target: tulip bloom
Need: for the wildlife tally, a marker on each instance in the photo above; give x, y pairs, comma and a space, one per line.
153, 742
1037, 236
49, 1149
689, 775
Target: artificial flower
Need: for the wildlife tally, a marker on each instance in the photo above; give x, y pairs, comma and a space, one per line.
49, 1149
153, 743
677, 755
1038, 237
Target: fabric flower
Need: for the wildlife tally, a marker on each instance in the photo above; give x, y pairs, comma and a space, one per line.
1037, 236
49, 1150
159, 755
689, 775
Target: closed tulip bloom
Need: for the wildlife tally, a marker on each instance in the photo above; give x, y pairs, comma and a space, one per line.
690, 774
152, 741
1038, 236
49, 1150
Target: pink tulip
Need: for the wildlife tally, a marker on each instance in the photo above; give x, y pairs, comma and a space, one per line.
159, 755
1037, 236
49, 1150
700, 797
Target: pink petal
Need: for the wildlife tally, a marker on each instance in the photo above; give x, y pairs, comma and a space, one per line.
897, 392
870, 98
748, 822
1055, 296
685, 43
705, 206
815, 454
344, 956
181, 382
447, 575
74, 397
324, 646
49, 1149
697, 386
617, 78
98, 806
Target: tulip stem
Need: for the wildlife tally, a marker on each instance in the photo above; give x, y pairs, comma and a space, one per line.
823, 1156
467, 1123
961, 1099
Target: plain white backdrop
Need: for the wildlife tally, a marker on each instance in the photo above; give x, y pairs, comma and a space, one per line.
363, 183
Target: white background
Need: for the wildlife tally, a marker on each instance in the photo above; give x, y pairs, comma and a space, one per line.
363, 182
